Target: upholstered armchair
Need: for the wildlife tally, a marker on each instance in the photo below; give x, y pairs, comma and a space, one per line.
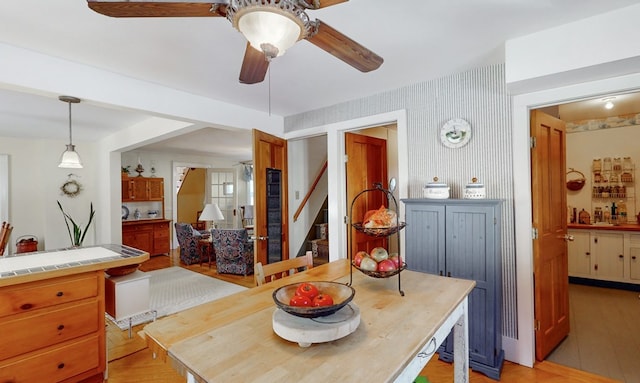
234, 251
190, 250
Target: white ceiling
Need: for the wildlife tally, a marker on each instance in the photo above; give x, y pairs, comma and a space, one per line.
419, 41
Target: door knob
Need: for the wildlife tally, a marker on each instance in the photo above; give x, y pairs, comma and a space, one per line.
568, 237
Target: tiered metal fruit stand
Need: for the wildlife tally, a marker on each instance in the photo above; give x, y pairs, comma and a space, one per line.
378, 232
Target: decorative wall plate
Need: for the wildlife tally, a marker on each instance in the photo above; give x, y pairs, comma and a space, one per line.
455, 133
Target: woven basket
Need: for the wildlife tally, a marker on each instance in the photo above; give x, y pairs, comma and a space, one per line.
577, 183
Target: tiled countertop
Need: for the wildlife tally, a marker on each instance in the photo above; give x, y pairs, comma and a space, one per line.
47, 264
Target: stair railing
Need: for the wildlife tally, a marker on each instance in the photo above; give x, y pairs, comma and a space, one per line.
306, 197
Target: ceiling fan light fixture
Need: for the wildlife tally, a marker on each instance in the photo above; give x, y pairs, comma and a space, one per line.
270, 26
70, 158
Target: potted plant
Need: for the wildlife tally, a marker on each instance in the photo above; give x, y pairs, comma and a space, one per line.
126, 171
78, 234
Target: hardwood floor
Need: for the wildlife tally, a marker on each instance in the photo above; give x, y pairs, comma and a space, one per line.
131, 362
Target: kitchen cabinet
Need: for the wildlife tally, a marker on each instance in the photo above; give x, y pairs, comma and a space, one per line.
634, 257
53, 329
607, 253
579, 253
461, 239
136, 189
607, 250
151, 236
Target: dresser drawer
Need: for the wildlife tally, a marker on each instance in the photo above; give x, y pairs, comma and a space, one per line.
48, 327
56, 364
35, 295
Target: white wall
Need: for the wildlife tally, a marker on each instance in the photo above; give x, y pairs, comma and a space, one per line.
583, 147
34, 187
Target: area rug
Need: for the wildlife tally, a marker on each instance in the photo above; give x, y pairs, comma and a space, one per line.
175, 289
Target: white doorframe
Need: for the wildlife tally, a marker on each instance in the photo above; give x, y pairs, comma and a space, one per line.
522, 350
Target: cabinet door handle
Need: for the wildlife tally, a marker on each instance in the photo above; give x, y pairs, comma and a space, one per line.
620, 256
633, 257
595, 267
587, 253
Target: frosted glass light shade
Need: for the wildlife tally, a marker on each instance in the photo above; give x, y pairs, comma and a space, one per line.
269, 27
211, 212
70, 159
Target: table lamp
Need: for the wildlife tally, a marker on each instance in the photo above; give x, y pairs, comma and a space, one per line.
211, 212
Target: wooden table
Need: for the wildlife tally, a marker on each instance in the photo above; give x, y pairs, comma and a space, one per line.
206, 246
232, 339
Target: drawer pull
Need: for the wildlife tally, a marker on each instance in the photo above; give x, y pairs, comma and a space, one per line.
61, 366
26, 306
61, 327
59, 294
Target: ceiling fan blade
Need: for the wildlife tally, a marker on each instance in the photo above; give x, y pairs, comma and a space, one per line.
156, 9
254, 66
344, 48
310, 4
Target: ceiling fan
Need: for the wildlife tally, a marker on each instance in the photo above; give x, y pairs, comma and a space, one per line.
270, 26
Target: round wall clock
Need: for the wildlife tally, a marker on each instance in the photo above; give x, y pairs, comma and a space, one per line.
455, 133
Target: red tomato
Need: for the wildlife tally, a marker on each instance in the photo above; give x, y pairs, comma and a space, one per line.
300, 300
322, 300
307, 289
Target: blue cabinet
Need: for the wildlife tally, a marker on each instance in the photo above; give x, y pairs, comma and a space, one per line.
461, 239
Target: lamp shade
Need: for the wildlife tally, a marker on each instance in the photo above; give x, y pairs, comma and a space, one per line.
70, 158
269, 26
211, 212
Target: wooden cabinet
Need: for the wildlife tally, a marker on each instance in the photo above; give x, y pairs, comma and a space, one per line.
461, 239
136, 189
151, 236
53, 330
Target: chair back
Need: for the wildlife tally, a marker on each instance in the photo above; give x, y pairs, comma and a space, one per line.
234, 251
5, 232
272, 271
190, 250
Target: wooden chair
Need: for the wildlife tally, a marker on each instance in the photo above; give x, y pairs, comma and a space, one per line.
272, 271
4, 236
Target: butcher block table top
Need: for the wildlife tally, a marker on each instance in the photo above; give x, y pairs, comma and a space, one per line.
232, 339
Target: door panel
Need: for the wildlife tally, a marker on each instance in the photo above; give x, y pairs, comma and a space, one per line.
366, 165
551, 279
269, 152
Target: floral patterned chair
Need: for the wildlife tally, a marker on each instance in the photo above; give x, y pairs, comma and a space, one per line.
234, 251
190, 250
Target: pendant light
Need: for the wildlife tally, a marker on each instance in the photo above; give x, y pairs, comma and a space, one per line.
70, 158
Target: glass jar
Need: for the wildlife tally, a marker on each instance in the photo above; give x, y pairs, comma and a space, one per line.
617, 164
597, 165
606, 164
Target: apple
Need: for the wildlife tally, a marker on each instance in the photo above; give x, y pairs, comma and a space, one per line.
369, 264
379, 254
357, 259
386, 265
395, 258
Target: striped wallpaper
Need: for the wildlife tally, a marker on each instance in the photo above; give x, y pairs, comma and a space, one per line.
478, 96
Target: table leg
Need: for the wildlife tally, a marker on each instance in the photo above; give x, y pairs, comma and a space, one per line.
461, 346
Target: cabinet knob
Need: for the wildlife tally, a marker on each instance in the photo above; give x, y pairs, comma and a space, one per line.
587, 253
61, 327
59, 294
620, 256
61, 366
633, 257
26, 306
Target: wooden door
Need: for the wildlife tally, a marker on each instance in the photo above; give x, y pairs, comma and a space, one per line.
269, 152
551, 276
366, 165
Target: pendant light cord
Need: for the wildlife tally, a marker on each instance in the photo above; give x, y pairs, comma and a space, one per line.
70, 140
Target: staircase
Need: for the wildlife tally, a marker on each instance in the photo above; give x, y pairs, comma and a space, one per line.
320, 238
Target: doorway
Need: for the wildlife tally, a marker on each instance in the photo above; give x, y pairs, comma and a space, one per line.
529, 101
